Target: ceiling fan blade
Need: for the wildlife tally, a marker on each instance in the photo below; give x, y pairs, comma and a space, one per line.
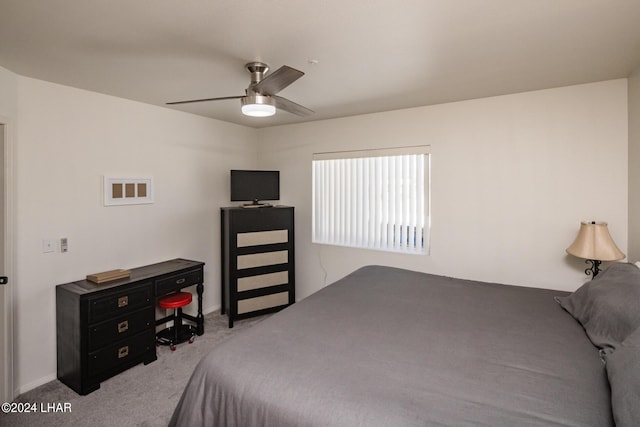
205, 99
277, 80
291, 107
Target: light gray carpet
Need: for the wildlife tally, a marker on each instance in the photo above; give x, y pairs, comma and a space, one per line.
140, 396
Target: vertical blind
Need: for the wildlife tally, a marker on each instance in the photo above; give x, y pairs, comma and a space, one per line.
375, 199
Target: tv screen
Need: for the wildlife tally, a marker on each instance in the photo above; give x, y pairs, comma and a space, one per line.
254, 185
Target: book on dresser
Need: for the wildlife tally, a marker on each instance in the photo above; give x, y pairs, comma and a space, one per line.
258, 261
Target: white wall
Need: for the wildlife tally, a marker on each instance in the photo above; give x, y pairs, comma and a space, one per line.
634, 165
8, 93
512, 177
66, 140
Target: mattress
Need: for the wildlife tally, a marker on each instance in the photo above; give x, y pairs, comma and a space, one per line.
390, 347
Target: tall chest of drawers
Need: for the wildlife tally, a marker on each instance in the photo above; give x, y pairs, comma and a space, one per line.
258, 260
104, 329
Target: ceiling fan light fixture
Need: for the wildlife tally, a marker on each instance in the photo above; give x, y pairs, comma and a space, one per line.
258, 106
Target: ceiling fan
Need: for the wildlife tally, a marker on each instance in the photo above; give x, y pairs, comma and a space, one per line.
260, 99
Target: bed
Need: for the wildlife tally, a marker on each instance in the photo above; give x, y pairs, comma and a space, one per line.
390, 347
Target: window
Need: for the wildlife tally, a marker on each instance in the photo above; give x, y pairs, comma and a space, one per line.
376, 199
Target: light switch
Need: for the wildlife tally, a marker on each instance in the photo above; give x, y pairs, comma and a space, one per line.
48, 245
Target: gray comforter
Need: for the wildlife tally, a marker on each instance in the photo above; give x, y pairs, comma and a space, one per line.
390, 347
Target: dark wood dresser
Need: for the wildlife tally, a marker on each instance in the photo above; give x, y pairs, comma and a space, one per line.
104, 329
258, 260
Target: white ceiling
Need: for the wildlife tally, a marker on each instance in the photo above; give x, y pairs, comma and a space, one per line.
373, 55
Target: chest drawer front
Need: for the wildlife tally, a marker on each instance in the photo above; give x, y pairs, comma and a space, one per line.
262, 259
257, 238
120, 353
251, 220
104, 333
120, 303
263, 281
263, 302
178, 281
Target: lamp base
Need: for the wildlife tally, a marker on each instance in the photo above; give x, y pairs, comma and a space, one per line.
594, 269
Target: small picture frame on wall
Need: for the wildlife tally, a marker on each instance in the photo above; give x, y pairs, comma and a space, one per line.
127, 191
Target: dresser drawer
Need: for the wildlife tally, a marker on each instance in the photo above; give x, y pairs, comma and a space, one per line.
111, 330
178, 281
120, 353
119, 303
252, 220
262, 281
259, 238
261, 303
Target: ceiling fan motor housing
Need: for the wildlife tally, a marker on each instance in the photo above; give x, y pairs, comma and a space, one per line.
257, 70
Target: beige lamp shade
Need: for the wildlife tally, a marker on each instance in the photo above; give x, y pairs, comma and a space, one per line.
594, 242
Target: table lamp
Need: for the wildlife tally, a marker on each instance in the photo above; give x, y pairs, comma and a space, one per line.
594, 243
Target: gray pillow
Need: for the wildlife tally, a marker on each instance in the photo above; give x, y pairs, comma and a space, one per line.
607, 307
623, 370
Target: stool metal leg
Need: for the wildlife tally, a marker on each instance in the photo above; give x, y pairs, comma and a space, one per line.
177, 326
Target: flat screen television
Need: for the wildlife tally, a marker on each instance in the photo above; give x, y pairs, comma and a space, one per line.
254, 186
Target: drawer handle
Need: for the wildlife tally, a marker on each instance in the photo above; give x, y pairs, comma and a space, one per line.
180, 281
123, 301
123, 326
123, 352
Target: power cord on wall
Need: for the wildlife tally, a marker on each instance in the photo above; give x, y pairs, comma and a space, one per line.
324, 280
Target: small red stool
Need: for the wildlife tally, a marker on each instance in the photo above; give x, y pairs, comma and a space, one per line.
178, 333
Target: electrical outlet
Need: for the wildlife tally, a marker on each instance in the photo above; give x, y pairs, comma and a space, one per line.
64, 245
